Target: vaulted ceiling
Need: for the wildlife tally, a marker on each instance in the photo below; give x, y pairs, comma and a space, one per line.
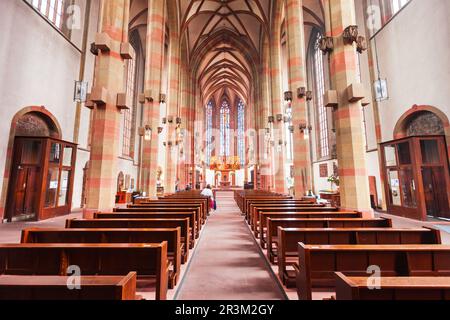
224, 40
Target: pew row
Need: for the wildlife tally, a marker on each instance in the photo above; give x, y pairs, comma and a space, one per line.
325, 223
54, 288
317, 264
392, 288
93, 236
147, 260
183, 224
150, 215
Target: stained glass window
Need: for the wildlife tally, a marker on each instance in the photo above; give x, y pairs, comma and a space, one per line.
241, 132
319, 76
209, 127
225, 129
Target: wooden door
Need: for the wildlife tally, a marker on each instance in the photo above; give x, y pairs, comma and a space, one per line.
25, 191
435, 189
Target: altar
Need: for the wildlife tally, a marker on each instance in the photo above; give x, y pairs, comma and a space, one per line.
225, 171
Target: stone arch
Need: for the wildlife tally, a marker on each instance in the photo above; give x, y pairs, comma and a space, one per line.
401, 128
41, 123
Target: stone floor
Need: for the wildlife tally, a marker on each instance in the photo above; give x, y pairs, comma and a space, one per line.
228, 264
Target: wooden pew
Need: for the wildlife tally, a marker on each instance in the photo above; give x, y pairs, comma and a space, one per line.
183, 224
20, 288
147, 260
194, 234
262, 224
171, 236
248, 200
393, 288
288, 240
254, 217
254, 205
197, 215
317, 264
270, 239
173, 206
203, 203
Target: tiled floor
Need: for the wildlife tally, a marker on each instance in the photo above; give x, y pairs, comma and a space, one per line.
227, 264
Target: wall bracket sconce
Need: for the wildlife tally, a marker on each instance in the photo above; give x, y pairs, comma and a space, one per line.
350, 34
361, 44
301, 92
288, 96
326, 44
304, 126
271, 119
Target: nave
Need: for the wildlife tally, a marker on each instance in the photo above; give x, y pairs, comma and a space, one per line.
246, 250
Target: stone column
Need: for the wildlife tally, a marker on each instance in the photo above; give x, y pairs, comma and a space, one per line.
152, 88
278, 134
354, 184
297, 79
108, 83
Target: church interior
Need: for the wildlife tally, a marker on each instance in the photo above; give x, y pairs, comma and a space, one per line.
224, 150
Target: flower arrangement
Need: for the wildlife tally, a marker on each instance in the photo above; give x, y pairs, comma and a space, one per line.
334, 180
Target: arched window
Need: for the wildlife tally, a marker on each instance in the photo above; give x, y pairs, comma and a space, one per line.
319, 80
128, 113
241, 132
225, 129
289, 134
209, 127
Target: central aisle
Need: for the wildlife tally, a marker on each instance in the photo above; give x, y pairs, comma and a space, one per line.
227, 264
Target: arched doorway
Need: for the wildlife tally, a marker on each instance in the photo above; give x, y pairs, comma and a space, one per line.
40, 167
416, 165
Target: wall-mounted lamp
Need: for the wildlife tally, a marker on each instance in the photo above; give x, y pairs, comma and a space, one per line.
148, 133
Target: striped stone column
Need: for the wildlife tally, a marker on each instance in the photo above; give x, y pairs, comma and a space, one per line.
354, 184
297, 79
278, 134
153, 74
109, 74
172, 111
265, 163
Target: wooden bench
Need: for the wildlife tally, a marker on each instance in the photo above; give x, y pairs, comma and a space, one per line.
183, 224
184, 202
317, 264
393, 288
171, 236
154, 215
197, 215
174, 207
270, 237
245, 202
261, 227
20, 288
147, 260
288, 240
255, 216
254, 205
